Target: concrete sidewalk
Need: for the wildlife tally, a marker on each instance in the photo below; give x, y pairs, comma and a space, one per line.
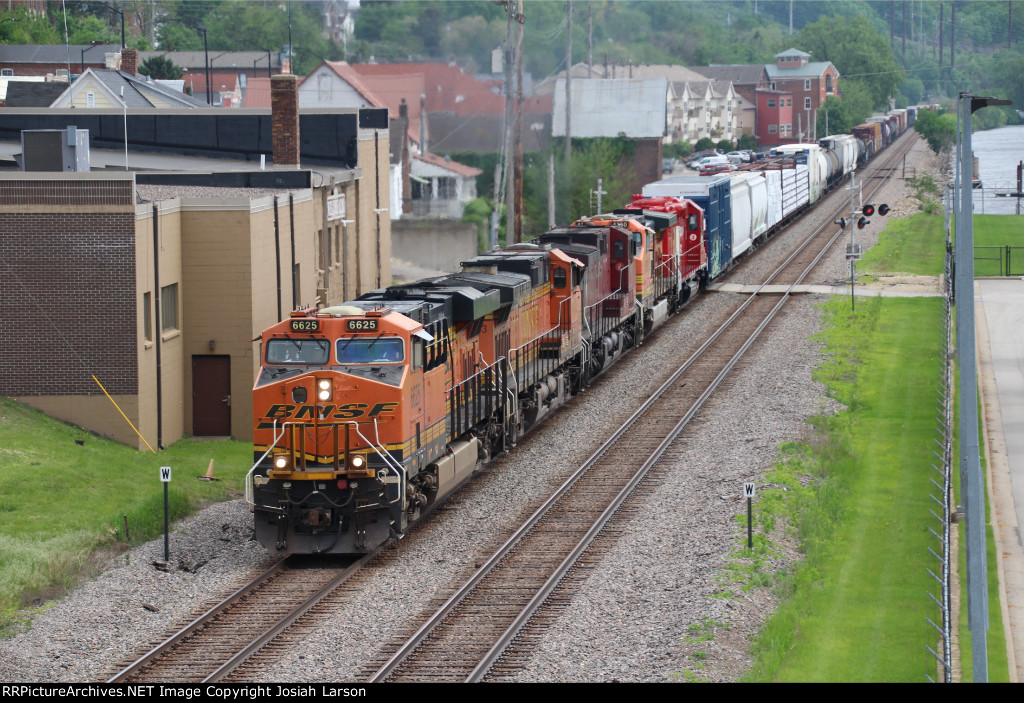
999, 315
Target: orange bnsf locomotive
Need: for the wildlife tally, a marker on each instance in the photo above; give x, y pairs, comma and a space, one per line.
366, 414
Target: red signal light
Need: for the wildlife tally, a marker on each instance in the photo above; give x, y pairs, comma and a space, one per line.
883, 210
862, 222
868, 210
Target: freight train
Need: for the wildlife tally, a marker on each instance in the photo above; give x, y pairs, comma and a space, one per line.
369, 413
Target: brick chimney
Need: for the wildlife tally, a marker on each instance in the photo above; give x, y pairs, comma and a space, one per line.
130, 61
284, 123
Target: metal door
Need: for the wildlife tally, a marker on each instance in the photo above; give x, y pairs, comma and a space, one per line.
211, 395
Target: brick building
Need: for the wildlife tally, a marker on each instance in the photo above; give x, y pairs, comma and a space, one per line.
775, 121
156, 280
809, 82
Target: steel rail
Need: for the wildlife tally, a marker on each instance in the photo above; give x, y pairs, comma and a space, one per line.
195, 625
287, 621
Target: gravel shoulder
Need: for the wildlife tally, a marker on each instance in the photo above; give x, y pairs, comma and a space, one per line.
629, 616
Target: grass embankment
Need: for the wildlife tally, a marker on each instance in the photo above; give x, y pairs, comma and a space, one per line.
61, 502
859, 497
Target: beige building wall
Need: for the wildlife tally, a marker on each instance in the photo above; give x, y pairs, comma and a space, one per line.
373, 244
168, 253
217, 295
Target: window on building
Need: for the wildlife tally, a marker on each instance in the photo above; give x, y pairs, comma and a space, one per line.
90, 99
789, 102
169, 308
807, 103
337, 244
772, 85
323, 85
147, 316
446, 189
828, 83
772, 128
771, 102
6, 71
807, 84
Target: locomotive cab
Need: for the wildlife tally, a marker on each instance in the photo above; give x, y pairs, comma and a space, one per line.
338, 419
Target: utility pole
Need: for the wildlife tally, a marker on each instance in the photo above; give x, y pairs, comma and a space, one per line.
510, 122
590, 41
904, 27
942, 12
568, 88
518, 134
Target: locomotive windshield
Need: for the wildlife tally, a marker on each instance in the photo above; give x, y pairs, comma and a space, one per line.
371, 350
310, 352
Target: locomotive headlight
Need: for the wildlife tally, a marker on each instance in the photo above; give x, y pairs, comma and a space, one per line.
281, 462
358, 461
324, 390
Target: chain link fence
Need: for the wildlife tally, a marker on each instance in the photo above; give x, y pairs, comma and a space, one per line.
942, 493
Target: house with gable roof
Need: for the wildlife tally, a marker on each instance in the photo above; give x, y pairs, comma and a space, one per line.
105, 88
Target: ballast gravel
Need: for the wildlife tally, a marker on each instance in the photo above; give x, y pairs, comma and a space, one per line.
633, 617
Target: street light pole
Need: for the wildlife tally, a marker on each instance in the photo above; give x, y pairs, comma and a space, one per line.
206, 61
972, 481
91, 46
120, 12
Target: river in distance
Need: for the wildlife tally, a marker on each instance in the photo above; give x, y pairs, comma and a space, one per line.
998, 151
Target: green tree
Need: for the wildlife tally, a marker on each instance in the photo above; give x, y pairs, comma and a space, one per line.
161, 67
704, 144
174, 36
18, 26
725, 146
843, 115
747, 141
857, 51
938, 127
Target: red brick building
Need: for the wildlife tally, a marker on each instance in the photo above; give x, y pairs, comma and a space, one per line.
809, 82
775, 121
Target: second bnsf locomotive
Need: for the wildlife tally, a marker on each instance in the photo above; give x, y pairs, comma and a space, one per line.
368, 413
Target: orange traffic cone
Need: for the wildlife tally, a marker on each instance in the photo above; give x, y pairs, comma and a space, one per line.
209, 474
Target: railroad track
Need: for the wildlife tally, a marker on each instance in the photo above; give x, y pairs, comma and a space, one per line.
478, 627
469, 635
224, 637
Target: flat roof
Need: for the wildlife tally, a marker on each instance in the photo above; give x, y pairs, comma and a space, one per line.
110, 160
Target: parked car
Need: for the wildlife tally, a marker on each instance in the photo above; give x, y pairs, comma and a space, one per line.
668, 165
710, 161
694, 158
738, 157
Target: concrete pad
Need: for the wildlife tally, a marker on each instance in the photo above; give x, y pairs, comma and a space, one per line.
1000, 341
860, 291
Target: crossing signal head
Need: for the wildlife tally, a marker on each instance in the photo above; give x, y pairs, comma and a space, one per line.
862, 222
868, 210
841, 222
883, 210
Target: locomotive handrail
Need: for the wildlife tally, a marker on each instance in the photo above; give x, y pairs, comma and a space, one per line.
250, 496
250, 493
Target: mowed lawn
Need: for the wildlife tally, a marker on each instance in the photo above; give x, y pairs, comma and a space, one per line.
858, 609
62, 499
992, 234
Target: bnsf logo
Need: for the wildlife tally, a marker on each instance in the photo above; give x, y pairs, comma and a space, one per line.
349, 411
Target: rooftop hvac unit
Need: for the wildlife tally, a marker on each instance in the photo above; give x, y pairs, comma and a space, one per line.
54, 149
